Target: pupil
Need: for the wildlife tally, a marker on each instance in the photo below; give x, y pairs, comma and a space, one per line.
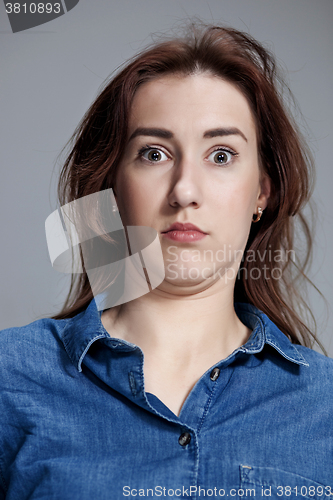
154, 155
220, 157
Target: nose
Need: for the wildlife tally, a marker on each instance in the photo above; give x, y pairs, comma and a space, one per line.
186, 185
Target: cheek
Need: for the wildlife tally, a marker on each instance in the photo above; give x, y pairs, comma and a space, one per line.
237, 200
235, 206
134, 202
126, 199
246, 198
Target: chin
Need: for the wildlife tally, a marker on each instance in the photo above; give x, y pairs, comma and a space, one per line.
184, 287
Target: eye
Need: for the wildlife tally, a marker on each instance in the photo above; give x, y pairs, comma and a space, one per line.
222, 156
154, 155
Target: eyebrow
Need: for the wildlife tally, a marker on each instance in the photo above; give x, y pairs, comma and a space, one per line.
218, 132
152, 132
166, 134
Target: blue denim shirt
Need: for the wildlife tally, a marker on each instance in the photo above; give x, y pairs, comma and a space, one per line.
76, 423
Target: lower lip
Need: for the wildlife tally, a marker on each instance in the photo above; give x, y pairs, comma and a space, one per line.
185, 236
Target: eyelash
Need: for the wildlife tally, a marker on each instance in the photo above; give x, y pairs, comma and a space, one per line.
146, 148
228, 150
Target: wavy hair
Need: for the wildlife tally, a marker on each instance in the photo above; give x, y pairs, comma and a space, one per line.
97, 145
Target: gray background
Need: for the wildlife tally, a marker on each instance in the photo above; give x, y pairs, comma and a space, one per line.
50, 75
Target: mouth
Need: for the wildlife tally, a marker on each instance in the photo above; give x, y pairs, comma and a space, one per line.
186, 232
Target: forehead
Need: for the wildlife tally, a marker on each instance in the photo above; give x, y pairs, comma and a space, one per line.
198, 102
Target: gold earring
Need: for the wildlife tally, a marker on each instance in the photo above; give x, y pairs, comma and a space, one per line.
259, 214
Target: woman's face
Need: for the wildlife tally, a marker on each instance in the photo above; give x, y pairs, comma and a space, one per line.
191, 158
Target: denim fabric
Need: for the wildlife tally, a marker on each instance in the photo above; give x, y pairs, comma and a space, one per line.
76, 423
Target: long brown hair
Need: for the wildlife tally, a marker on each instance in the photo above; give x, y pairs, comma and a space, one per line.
98, 142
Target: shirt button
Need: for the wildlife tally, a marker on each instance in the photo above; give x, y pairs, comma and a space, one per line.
184, 438
214, 374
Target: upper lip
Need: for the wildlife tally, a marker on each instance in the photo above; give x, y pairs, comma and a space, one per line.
179, 226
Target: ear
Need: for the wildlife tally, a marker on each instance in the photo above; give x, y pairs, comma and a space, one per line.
264, 191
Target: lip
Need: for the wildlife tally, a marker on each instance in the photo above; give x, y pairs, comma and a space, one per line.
184, 232
187, 226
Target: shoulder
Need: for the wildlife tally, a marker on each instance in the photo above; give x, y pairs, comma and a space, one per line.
49, 345
45, 329
302, 360
318, 363
313, 378
30, 344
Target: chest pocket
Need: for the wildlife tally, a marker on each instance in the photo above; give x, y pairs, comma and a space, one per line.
274, 484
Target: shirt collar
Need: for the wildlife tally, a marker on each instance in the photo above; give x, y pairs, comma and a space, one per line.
264, 331
81, 332
84, 329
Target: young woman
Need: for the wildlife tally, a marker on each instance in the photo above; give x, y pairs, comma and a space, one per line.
206, 385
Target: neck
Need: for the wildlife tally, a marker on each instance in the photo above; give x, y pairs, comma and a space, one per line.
187, 328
